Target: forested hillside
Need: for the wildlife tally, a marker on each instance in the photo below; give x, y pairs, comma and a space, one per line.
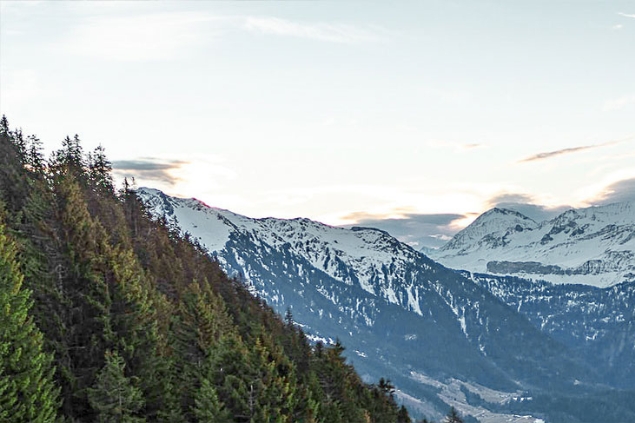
108, 316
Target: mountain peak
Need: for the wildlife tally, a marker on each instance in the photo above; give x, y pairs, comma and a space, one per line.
500, 211
400, 314
367, 228
494, 223
594, 245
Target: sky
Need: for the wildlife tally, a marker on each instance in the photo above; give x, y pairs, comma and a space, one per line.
411, 116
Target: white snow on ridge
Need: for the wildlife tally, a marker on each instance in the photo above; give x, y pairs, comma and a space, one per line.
452, 393
203, 223
359, 255
594, 246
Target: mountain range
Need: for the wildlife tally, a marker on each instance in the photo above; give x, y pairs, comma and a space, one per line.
498, 348
591, 246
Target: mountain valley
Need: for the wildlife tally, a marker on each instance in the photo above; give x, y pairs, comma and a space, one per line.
443, 337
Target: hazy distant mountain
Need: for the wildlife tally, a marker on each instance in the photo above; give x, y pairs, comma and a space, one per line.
441, 337
592, 246
597, 324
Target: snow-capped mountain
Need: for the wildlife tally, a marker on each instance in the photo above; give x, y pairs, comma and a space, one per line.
442, 338
592, 246
358, 256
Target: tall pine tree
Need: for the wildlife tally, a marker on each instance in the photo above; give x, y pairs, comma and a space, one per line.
115, 397
27, 391
144, 325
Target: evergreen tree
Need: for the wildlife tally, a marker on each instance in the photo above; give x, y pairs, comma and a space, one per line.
403, 416
207, 407
197, 333
288, 317
87, 318
72, 154
4, 125
27, 391
143, 323
14, 185
453, 416
19, 141
115, 397
135, 326
273, 386
100, 170
34, 157
232, 375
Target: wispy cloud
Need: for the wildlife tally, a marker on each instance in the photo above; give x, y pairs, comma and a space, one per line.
617, 27
564, 151
418, 230
617, 192
336, 33
550, 154
456, 146
631, 15
145, 37
510, 198
525, 204
149, 169
619, 103
166, 36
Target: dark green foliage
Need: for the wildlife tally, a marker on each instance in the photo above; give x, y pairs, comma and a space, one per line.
140, 323
100, 170
207, 407
402, 415
115, 398
27, 391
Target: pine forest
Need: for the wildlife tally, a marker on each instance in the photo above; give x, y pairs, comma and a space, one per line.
109, 316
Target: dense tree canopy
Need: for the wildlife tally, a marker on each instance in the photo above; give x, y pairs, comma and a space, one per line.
27, 390
106, 315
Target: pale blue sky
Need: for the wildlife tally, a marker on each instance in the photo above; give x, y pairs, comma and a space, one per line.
336, 111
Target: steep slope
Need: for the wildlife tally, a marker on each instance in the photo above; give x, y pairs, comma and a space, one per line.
109, 316
492, 229
598, 324
400, 314
592, 246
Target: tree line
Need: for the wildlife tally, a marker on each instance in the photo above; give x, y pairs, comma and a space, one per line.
109, 316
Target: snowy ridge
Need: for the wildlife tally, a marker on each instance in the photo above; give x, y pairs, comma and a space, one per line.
367, 257
592, 246
402, 315
495, 223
